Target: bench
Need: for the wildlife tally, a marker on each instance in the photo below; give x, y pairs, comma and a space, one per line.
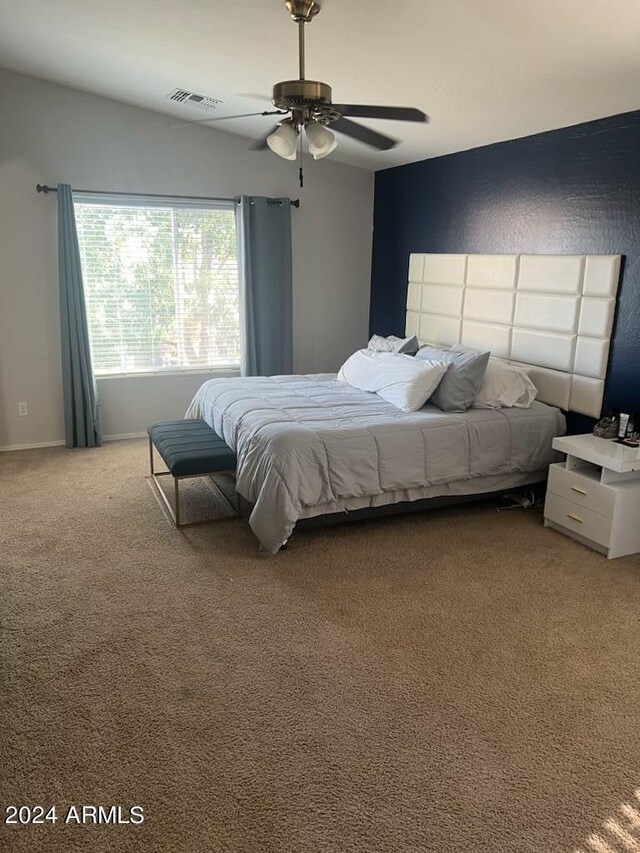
190, 448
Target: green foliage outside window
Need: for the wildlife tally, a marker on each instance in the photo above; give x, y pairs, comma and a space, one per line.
161, 286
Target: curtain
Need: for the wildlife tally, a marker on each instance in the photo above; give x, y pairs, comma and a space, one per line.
81, 413
264, 256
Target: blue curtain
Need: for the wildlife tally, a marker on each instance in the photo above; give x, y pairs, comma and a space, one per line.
264, 254
81, 413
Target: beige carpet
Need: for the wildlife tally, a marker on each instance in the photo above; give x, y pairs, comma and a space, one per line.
455, 681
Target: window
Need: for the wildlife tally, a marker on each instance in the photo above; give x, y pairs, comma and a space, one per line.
161, 284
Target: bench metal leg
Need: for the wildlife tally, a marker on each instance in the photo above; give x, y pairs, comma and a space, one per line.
221, 495
176, 514
176, 488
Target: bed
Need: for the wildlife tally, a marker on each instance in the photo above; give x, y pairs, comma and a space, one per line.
311, 446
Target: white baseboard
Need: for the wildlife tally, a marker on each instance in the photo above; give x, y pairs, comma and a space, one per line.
124, 435
35, 445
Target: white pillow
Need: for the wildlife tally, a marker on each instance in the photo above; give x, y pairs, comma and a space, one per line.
398, 379
378, 343
505, 386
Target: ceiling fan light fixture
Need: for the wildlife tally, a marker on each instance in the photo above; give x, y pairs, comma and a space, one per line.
320, 140
284, 140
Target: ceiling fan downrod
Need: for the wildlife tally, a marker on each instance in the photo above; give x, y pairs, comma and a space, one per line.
301, 49
302, 12
301, 96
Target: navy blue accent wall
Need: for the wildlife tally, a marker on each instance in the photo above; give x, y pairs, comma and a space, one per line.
572, 191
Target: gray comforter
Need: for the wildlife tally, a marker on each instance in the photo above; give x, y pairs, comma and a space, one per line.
309, 441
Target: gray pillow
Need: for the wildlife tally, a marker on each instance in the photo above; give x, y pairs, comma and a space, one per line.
463, 379
408, 346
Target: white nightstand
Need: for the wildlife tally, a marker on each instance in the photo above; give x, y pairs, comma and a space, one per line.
594, 495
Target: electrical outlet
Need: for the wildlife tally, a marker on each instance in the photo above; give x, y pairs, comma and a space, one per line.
23, 409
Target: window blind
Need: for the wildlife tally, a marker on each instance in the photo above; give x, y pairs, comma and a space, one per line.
161, 285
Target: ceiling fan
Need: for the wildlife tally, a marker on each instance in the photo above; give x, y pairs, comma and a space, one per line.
306, 105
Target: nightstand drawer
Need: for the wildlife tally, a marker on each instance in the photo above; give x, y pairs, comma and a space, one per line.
578, 518
581, 489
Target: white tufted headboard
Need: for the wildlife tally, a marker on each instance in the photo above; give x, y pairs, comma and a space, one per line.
551, 314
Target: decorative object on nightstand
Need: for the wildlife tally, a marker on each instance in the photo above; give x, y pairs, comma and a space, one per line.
627, 434
622, 427
594, 495
607, 427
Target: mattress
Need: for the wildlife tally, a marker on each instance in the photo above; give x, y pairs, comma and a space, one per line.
306, 444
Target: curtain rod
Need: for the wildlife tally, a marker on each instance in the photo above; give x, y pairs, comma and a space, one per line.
43, 188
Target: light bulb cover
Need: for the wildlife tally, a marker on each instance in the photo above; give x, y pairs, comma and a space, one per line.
321, 140
284, 140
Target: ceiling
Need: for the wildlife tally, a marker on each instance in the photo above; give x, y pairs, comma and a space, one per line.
484, 70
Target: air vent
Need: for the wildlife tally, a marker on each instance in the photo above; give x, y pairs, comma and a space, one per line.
182, 96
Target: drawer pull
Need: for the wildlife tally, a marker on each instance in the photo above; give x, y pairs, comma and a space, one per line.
575, 517
579, 491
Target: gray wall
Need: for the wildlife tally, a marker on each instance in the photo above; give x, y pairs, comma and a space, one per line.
54, 134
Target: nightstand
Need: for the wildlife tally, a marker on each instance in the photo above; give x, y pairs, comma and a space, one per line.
594, 495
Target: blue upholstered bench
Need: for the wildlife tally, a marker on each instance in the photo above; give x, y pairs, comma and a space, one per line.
189, 448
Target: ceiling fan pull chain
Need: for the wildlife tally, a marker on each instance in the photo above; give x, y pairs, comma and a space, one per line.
301, 176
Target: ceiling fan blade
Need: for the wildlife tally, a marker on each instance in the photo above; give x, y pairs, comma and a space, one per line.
225, 118
363, 134
369, 111
261, 144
